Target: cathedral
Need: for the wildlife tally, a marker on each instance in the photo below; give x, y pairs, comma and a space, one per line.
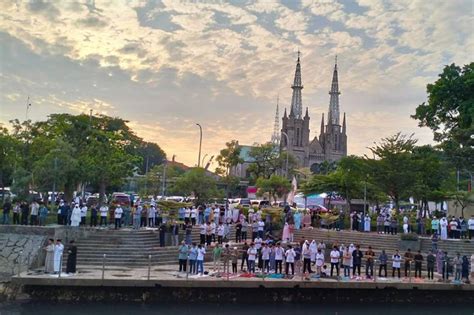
331, 145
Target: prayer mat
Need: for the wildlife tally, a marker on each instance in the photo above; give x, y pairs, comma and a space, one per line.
275, 276
247, 275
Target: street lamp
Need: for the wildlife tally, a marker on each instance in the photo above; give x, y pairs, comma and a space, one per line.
287, 142
200, 143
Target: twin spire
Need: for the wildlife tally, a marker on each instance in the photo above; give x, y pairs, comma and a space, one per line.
296, 109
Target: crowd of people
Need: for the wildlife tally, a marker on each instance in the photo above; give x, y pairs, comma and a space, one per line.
314, 259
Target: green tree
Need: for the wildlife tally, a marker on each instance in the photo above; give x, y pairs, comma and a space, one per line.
267, 160
276, 186
151, 155
228, 158
449, 113
198, 183
392, 167
8, 158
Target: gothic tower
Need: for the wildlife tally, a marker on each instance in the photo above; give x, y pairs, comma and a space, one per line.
334, 138
296, 127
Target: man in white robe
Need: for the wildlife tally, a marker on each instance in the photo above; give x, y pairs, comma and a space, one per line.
76, 216
444, 228
58, 255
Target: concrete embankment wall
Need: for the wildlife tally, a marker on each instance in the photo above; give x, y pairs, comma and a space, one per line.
246, 295
21, 246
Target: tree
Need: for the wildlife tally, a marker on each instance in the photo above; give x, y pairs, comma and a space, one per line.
267, 160
392, 167
449, 113
198, 183
228, 158
151, 154
276, 186
8, 158
432, 174
462, 199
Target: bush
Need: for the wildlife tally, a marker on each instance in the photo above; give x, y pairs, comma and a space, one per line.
409, 237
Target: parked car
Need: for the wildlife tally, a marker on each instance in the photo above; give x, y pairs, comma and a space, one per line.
120, 199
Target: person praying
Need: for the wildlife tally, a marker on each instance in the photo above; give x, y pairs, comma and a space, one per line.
58, 255
71, 258
49, 261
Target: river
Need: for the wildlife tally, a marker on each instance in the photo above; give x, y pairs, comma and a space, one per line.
47, 308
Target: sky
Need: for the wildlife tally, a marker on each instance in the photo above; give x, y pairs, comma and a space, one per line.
166, 65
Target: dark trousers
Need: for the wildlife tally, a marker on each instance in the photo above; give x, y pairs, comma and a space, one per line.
430, 272
238, 236
445, 272
208, 239
182, 265
60, 219
254, 235
24, 219
234, 267
471, 232
386, 229
278, 266
94, 220
118, 223
244, 236
16, 218
103, 221
266, 265
407, 268
354, 267
384, 268
193, 221
244, 260
83, 220
142, 221
307, 265
418, 270
33, 220
369, 269
393, 272
192, 267
287, 268
219, 239
202, 238
393, 230
335, 265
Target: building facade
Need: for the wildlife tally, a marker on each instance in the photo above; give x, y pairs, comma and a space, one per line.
331, 145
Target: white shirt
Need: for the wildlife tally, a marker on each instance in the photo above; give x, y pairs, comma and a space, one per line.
290, 256
118, 213
396, 261
471, 224
266, 253
103, 211
279, 253
335, 256
152, 213
252, 252
319, 259
213, 227
193, 213
201, 252
220, 230
203, 229
261, 225
84, 211
187, 213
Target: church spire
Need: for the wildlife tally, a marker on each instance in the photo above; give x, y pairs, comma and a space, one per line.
276, 126
344, 124
333, 118
322, 125
296, 102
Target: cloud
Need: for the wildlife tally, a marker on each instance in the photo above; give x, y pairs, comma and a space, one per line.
166, 65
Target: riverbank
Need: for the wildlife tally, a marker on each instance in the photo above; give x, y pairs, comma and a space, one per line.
163, 284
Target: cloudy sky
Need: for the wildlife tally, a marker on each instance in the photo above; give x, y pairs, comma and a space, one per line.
166, 65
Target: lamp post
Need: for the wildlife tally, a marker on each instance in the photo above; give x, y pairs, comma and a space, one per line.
200, 143
287, 142
365, 193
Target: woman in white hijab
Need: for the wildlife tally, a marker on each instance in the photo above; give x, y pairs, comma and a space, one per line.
76, 216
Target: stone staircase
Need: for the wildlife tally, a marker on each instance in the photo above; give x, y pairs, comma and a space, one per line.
129, 248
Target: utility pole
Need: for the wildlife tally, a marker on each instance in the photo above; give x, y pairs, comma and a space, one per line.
164, 180
365, 194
